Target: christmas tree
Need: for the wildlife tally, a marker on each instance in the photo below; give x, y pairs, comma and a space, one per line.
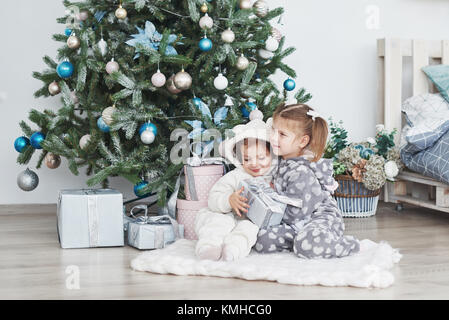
131, 72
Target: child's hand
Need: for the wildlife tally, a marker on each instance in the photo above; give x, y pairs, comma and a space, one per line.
238, 202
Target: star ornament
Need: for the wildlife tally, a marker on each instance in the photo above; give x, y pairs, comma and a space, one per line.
150, 38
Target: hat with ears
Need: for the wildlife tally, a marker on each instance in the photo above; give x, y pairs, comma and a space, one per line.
255, 129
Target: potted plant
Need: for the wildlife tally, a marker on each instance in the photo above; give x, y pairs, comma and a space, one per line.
361, 169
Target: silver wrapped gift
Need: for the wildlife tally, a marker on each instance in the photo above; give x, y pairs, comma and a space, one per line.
267, 207
152, 232
90, 218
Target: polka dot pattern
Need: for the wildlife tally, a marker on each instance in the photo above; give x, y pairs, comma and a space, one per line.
205, 178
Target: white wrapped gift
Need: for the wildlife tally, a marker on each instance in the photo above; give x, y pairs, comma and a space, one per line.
90, 218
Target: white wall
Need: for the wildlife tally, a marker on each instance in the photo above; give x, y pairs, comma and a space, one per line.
335, 61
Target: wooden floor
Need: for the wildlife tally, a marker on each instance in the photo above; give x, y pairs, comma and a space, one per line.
32, 265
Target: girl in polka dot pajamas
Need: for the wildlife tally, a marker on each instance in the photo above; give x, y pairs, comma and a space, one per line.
299, 136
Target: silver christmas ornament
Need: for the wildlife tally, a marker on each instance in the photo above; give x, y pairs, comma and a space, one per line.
147, 137
27, 180
242, 63
245, 4
261, 8
275, 33
107, 115
228, 36
182, 80
54, 88
73, 42
82, 15
103, 46
206, 22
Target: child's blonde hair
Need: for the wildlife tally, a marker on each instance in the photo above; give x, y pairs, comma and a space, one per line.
303, 124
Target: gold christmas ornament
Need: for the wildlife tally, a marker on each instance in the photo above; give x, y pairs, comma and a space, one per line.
245, 4
171, 85
228, 36
52, 160
107, 115
84, 141
121, 13
54, 88
204, 8
73, 42
261, 8
182, 80
242, 63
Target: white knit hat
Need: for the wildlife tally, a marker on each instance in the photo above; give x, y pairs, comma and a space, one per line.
256, 129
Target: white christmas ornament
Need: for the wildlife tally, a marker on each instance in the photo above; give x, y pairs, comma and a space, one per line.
147, 137
206, 22
112, 66
245, 4
84, 141
221, 82
158, 79
271, 44
103, 46
265, 54
228, 36
107, 115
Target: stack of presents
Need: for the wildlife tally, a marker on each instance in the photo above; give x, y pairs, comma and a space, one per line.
97, 217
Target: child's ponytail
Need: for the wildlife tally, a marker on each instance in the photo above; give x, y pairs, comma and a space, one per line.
318, 138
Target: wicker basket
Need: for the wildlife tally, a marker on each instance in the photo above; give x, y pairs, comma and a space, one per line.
353, 199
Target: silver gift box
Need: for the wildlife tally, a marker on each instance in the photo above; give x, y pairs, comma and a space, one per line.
267, 208
89, 218
151, 235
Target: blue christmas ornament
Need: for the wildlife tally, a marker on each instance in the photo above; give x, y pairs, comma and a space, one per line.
36, 140
65, 69
138, 189
148, 126
21, 143
68, 32
205, 44
197, 102
359, 147
251, 105
102, 125
289, 85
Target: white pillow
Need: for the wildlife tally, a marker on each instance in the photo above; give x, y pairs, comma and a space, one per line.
428, 110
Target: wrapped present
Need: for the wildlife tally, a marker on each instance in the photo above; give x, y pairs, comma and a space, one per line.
186, 214
152, 232
90, 218
201, 174
267, 207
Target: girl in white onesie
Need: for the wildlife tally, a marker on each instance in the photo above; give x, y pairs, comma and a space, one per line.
222, 229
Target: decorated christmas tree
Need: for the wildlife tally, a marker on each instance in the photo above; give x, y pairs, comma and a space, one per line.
131, 72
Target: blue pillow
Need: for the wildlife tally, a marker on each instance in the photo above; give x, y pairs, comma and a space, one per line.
439, 75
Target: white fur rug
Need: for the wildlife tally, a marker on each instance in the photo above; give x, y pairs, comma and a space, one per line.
367, 269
